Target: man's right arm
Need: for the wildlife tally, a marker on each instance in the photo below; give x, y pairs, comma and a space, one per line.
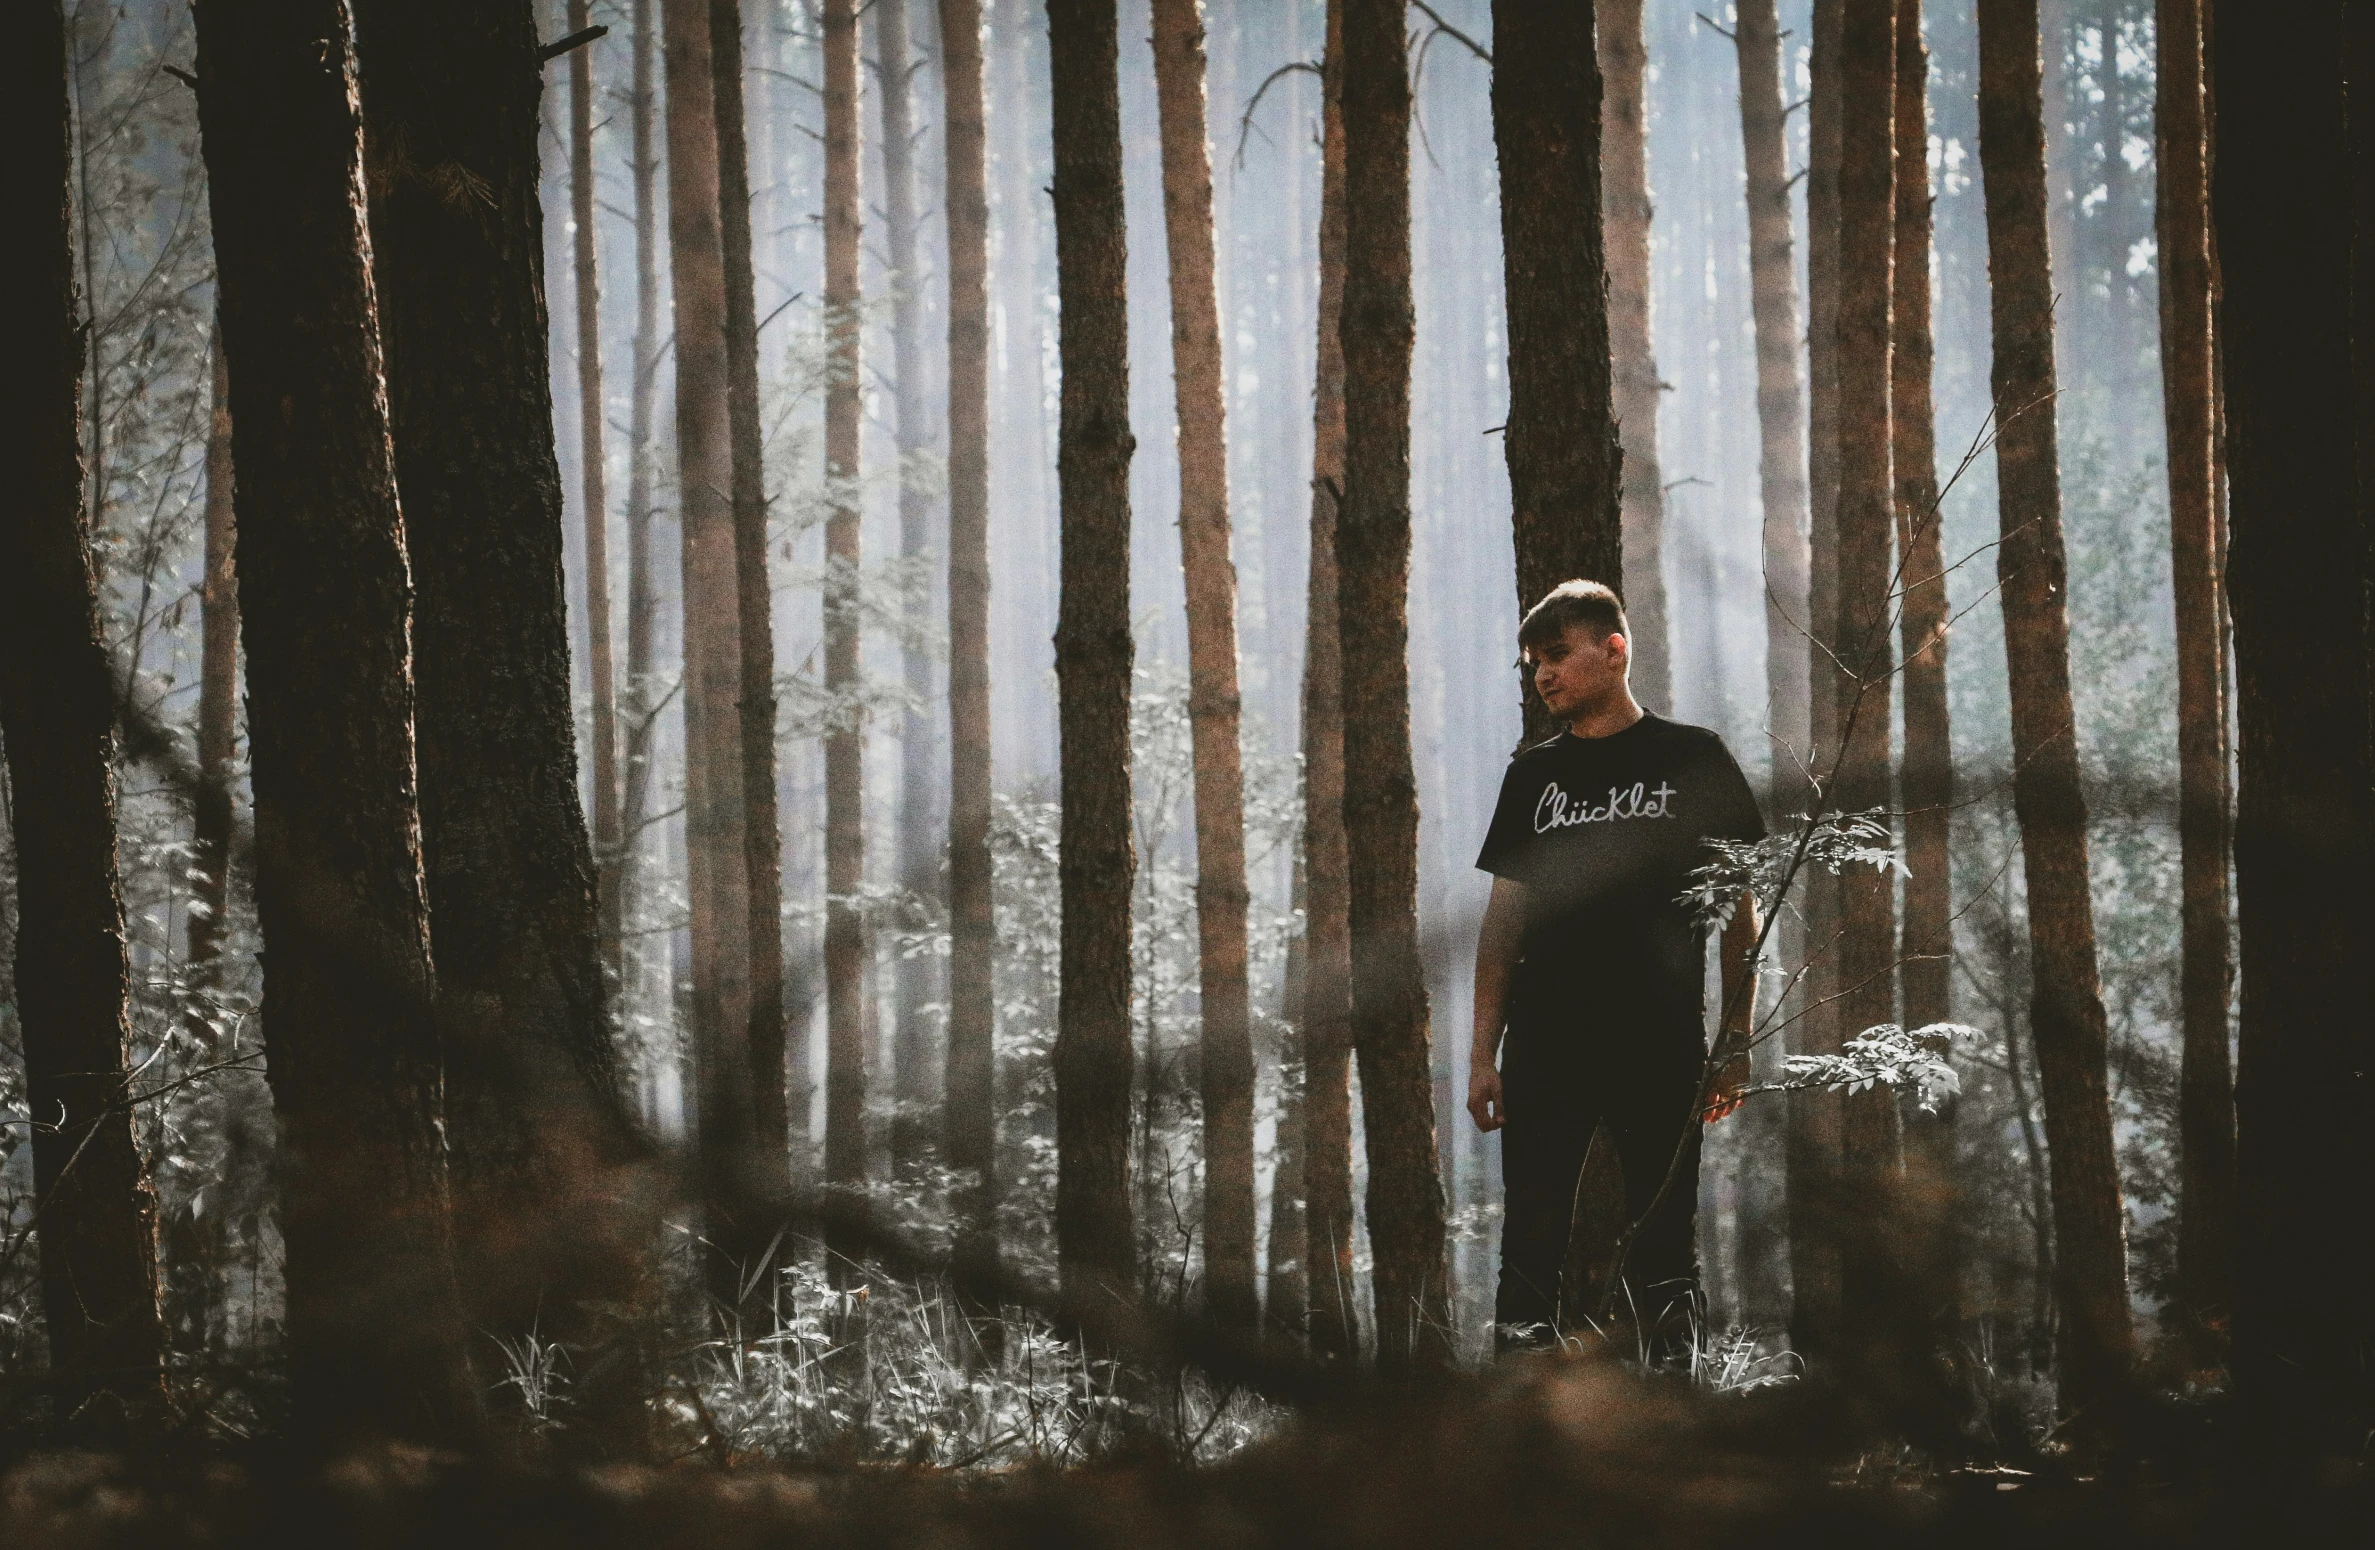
1497, 947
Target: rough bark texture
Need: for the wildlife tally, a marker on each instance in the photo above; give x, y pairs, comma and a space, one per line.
1327, 936
97, 1216
1093, 1056
593, 471
969, 1129
218, 707
2066, 1006
1565, 462
2304, 831
1226, 1065
375, 1338
1624, 160
846, 947
762, 834
1781, 426
717, 878
1389, 993
2206, 1093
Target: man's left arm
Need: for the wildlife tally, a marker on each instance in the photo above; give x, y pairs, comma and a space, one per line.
1736, 954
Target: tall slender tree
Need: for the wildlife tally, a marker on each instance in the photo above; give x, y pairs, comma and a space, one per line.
1334, 1324
969, 1126
2206, 1091
2293, 257
375, 1337
1389, 993
1565, 459
762, 830
1093, 1055
95, 1211
1222, 898
643, 694
717, 874
846, 947
1624, 152
218, 704
2066, 1001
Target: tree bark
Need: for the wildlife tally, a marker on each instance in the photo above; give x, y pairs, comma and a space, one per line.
1566, 464
374, 1332
1286, 1284
642, 596
2206, 1225
1222, 898
717, 873
762, 831
847, 948
2066, 1007
2296, 579
1389, 993
1093, 1056
595, 496
1781, 425
969, 1129
919, 857
1624, 155
218, 711
1334, 1324
94, 1210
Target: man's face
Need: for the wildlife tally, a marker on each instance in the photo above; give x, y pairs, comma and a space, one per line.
1578, 671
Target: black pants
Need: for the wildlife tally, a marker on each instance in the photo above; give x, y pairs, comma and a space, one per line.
1555, 1102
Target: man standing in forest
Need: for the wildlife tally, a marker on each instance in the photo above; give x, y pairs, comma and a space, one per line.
1591, 965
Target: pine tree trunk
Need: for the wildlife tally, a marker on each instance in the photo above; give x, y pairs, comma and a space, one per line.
717, 874
1624, 155
1926, 778
1211, 581
919, 858
594, 470
1389, 993
1286, 1287
218, 710
762, 832
969, 1129
643, 695
95, 1213
2206, 1095
1327, 934
2304, 829
375, 1339
2066, 1008
847, 949
1781, 424
1565, 461
1817, 1209
1093, 1056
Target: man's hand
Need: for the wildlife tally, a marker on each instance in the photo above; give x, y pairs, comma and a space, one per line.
1485, 1104
1731, 1083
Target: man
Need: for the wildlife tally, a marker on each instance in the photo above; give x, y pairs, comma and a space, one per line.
1590, 971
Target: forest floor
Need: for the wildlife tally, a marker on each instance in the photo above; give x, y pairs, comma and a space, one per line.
1565, 1452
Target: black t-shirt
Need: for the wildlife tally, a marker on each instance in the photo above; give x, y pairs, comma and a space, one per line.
1604, 833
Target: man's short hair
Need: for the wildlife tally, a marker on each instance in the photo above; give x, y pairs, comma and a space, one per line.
1589, 604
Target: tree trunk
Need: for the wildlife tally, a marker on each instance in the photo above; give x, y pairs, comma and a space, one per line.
969, 1129
1781, 424
717, 871
1286, 1285
1817, 1210
2206, 1093
762, 833
1565, 461
847, 949
2066, 1008
594, 470
919, 857
218, 713
2304, 829
1327, 934
643, 697
1093, 1055
1211, 580
1634, 367
1389, 993
94, 1208
375, 1339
